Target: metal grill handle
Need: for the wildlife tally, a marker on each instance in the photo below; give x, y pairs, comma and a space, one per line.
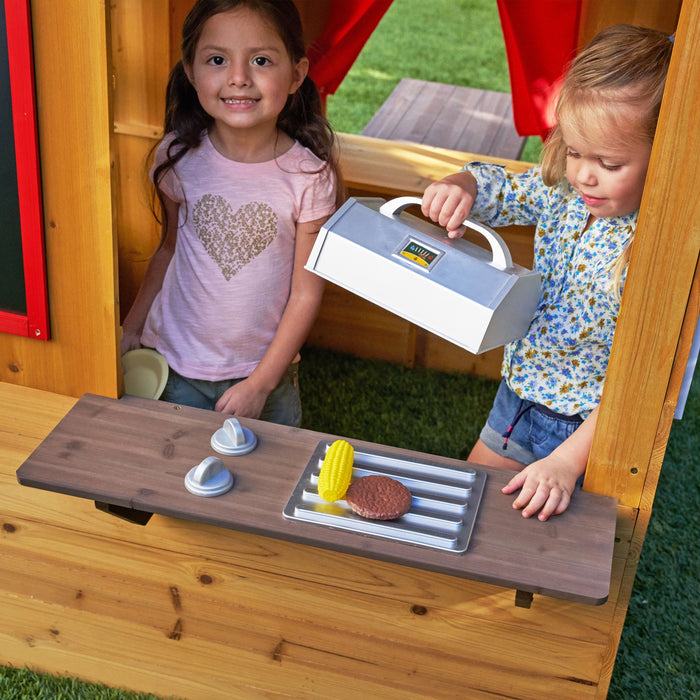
499, 249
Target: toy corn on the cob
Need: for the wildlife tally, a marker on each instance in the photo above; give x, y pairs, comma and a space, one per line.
336, 471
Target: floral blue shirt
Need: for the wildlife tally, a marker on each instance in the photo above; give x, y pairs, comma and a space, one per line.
561, 362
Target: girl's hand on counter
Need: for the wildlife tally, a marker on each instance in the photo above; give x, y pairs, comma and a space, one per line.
545, 486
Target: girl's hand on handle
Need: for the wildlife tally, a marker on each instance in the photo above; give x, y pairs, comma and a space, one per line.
449, 201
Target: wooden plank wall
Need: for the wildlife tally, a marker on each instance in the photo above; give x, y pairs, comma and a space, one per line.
74, 137
597, 14
140, 66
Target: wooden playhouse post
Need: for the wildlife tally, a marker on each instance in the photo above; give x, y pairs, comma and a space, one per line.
658, 315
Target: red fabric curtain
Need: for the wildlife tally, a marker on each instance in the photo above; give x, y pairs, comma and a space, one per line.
541, 38
332, 54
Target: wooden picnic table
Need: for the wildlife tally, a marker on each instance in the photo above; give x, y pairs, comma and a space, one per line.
448, 116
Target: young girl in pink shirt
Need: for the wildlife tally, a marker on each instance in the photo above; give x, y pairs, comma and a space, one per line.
246, 175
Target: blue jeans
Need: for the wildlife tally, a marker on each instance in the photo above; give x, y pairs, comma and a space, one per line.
523, 430
283, 405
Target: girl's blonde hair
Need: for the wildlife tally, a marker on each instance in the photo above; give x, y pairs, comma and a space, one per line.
623, 66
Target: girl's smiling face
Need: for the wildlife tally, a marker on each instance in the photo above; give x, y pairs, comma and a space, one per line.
607, 169
242, 72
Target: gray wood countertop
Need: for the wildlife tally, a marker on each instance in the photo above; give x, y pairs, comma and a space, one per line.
135, 453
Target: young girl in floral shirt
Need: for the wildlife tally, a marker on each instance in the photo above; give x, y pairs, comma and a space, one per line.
583, 200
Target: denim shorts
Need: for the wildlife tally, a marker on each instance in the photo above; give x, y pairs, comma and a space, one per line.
283, 405
536, 430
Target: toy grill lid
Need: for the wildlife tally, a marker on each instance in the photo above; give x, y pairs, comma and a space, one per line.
472, 296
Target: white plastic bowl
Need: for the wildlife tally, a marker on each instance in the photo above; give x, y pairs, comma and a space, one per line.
145, 373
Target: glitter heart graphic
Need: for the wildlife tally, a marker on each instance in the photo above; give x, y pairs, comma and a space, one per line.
233, 240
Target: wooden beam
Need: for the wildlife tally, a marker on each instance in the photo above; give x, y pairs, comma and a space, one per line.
73, 117
598, 14
662, 267
392, 168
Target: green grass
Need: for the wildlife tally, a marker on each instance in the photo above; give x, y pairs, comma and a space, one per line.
459, 42
395, 405
24, 684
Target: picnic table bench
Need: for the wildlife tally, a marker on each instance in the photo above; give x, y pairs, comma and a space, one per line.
448, 116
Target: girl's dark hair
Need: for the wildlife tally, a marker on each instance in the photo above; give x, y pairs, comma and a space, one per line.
302, 117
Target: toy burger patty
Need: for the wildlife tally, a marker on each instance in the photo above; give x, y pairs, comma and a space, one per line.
378, 497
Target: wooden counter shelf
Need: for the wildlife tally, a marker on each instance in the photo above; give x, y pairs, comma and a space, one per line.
134, 454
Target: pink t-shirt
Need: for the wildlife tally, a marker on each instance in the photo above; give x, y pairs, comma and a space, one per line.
228, 282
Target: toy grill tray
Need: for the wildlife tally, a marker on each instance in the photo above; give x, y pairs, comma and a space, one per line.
445, 501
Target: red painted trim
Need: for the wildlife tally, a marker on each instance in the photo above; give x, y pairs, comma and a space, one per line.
21, 69
14, 323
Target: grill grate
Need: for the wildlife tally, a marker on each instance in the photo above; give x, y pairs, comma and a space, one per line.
445, 500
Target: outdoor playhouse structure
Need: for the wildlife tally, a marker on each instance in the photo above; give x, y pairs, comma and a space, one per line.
194, 610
